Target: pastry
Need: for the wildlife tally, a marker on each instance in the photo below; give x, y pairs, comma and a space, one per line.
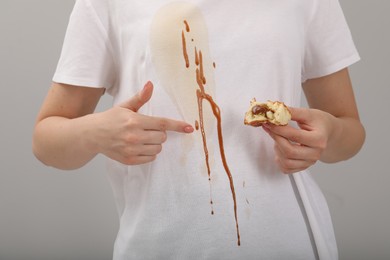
274, 112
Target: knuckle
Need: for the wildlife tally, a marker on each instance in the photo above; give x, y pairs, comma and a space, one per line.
133, 122
277, 160
158, 149
295, 138
131, 139
288, 164
283, 166
316, 157
311, 163
164, 137
163, 125
130, 160
322, 144
129, 154
289, 151
284, 169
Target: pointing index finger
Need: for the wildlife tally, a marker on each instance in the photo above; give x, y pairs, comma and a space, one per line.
166, 124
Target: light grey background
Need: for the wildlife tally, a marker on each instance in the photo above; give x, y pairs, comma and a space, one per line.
51, 214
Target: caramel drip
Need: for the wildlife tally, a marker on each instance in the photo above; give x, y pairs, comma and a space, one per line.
185, 54
214, 65
202, 131
217, 114
216, 111
196, 125
202, 77
196, 57
187, 26
202, 95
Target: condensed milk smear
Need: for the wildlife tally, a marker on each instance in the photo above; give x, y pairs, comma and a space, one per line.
179, 31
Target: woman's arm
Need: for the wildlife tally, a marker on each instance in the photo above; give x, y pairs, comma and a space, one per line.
68, 134
334, 95
62, 125
329, 131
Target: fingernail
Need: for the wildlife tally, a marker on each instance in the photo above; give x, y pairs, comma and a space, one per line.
188, 129
148, 84
266, 129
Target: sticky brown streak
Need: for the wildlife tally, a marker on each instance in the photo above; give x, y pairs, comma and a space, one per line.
216, 111
183, 39
202, 95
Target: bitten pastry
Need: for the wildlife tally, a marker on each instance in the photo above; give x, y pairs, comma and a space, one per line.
274, 112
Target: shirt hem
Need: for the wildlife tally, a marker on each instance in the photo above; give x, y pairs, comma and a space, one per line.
58, 78
333, 68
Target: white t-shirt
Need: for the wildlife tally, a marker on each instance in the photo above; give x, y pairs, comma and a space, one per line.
251, 48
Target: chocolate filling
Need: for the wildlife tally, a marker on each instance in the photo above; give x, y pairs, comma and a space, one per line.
260, 109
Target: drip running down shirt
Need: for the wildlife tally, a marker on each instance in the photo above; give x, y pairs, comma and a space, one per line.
194, 202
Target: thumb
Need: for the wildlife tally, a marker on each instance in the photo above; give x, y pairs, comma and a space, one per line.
141, 98
300, 115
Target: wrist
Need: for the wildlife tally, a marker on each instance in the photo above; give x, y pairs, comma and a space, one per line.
333, 129
90, 133
346, 136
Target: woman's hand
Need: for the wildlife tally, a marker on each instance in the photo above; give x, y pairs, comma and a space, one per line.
129, 137
296, 149
68, 133
330, 130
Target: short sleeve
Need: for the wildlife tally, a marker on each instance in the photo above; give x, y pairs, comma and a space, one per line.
329, 45
87, 56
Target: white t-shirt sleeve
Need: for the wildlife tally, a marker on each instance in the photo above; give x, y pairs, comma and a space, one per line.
87, 54
329, 44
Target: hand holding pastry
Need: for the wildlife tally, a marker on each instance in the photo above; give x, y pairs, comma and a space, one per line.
296, 149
